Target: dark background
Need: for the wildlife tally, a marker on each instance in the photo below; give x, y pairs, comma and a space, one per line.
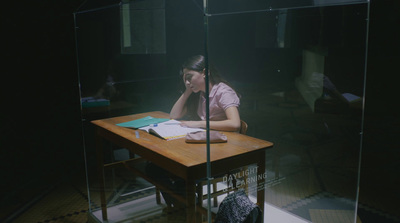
41, 138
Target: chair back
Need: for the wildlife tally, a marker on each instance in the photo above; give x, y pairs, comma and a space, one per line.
243, 127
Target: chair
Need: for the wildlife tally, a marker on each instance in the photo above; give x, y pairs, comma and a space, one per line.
243, 127
216, 192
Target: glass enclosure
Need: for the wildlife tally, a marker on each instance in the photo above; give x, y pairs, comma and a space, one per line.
298, 68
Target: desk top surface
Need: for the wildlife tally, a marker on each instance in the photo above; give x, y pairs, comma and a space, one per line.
187, 154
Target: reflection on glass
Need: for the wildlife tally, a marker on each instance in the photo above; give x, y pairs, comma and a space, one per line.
143, 27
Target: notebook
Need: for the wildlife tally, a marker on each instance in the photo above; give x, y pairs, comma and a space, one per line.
142, 122
170, 130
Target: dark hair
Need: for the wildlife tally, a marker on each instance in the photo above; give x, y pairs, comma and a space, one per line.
198, 63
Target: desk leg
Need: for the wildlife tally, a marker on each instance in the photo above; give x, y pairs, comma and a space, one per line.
100, 169
190, 201
261, 182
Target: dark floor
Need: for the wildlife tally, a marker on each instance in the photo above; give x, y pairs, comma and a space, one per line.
67, 201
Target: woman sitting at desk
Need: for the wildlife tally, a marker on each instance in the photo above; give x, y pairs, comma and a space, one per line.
223, 112
223, 100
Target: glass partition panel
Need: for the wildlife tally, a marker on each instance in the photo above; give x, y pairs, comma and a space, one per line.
299, 69
129, 60
295, 72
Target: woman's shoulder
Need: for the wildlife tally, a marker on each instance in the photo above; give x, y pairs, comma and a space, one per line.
226, 96
223, 90
221, 86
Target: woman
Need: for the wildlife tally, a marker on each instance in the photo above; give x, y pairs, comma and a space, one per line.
224, 113
223, 100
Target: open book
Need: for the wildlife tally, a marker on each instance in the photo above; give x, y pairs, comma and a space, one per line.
170, 130
142, 122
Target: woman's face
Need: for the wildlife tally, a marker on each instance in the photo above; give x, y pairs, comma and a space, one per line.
194, 80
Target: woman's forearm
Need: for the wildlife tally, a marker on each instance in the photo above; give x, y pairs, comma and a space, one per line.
231, 124
225, 125
179, 108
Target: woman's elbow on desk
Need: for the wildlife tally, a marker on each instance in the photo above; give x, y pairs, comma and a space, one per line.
175, 116
234, 127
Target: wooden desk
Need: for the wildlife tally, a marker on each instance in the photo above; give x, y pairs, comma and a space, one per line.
187, 161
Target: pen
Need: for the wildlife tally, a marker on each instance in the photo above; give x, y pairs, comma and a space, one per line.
172, 123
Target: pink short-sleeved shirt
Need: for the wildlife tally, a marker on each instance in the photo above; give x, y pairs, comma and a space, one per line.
221, 97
